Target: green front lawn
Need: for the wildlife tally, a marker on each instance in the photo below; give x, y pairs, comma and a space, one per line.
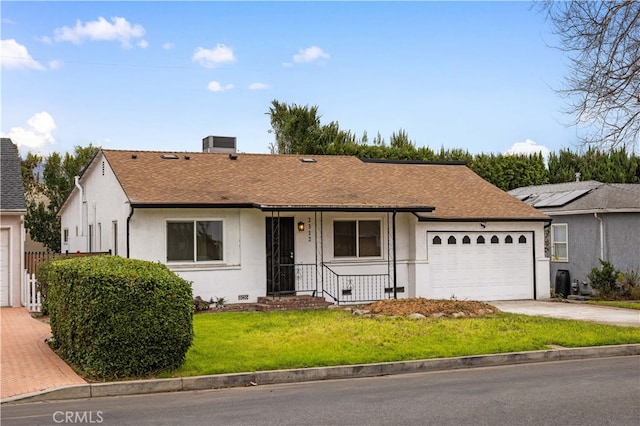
617, 303
253, 341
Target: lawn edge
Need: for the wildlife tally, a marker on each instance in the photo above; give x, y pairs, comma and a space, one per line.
298, 375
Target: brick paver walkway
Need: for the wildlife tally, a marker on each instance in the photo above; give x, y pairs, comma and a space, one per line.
27, 364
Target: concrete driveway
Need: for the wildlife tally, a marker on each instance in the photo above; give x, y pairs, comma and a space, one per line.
28, 364
572, 310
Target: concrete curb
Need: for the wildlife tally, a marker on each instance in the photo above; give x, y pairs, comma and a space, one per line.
220, 381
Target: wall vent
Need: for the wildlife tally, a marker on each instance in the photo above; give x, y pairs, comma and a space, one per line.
243, 297
223, 144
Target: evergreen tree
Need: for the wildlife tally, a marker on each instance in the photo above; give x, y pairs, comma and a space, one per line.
45, 196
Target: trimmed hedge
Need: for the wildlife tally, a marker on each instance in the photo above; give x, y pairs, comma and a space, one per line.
115, 317
42, 280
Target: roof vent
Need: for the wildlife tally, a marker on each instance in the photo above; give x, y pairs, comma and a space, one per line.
308, 160
134, 156
233, 156
220, 144
169, 157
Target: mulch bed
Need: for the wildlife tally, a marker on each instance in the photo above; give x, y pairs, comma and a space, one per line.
430, 307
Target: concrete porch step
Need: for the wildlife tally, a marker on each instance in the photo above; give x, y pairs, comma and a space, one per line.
269, 303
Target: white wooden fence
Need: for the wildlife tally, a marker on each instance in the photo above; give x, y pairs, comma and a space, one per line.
31, 297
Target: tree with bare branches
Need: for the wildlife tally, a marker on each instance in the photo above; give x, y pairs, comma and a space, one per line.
602, 42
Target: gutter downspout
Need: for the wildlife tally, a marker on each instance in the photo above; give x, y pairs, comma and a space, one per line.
601, 235
128, 226
395, 265
81, 210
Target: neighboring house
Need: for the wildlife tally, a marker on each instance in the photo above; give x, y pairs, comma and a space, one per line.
12, 212
240, 226
591, 221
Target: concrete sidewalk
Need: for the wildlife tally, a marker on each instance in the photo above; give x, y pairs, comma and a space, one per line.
26, 361
572, 310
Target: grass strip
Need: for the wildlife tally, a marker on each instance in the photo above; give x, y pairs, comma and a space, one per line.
616, 303
256, 341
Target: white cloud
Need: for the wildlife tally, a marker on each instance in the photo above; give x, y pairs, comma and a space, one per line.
36, 135
528, 147
211, 58
215, 86
16, 56
258, 86
119, 29
168, 46
8, 21
45, 39
55, 64
143, 44
310, 54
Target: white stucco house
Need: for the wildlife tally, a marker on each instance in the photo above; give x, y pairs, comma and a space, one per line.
241, 226
12, 234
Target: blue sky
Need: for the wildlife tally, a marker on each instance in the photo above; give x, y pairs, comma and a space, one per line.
163, 75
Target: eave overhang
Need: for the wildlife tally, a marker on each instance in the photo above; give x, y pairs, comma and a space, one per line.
288, 208
481, 219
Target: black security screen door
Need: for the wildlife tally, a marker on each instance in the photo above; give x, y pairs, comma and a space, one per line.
279, 241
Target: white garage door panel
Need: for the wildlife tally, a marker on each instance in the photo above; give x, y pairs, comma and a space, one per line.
4, 267
480, 271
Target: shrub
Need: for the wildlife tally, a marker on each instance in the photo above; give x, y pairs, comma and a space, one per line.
630, 283
199, 304
604, 280
42, 277
218, 302
114, 317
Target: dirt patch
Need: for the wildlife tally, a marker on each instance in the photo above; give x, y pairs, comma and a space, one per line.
431, 307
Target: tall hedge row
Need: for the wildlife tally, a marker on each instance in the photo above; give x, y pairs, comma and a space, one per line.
114, 317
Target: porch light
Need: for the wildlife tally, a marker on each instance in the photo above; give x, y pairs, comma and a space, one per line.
301, 226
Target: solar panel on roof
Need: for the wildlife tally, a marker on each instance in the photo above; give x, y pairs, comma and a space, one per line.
559, 199
540, 198
572, 195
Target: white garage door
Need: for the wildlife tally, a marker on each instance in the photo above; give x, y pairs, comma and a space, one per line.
480, 265
4, 267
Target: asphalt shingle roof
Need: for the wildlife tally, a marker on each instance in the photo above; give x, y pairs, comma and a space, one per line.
598, 195
11, 186
329, 182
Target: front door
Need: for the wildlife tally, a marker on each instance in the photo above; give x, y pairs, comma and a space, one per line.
280, 268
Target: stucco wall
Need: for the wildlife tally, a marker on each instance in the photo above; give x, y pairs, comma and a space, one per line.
243, 268
621, 243
241, 276
104, 203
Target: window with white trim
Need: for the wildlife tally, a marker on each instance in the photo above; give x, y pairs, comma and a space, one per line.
559, 243
357, 238
194, 241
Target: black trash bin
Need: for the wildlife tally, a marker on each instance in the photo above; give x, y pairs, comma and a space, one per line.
563, 283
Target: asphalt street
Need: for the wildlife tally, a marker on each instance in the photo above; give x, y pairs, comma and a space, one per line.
603, 391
